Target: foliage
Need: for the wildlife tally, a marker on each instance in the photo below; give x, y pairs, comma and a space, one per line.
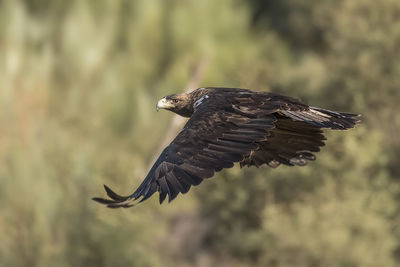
78, 87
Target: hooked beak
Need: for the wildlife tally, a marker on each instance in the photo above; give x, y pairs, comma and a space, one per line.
164, 104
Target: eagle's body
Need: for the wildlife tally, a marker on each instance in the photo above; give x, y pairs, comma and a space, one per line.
229, 125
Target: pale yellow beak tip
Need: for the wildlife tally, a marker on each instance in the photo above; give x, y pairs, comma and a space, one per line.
163, 104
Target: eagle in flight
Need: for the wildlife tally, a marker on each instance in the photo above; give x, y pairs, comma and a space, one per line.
229, 125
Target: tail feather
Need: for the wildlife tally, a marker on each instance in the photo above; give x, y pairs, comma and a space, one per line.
325, 118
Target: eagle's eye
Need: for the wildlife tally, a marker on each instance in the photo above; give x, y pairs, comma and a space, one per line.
174, 100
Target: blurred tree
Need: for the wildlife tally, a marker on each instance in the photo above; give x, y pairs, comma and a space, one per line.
79, 84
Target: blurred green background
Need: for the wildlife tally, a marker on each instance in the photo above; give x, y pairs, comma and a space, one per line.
79, 81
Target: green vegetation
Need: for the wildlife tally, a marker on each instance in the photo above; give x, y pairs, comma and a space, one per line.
78, 84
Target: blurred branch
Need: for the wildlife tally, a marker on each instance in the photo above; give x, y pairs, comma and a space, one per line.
177, 121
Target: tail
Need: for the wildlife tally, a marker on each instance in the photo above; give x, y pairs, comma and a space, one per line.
325, 118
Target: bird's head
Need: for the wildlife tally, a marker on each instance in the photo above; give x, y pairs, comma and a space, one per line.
177, 103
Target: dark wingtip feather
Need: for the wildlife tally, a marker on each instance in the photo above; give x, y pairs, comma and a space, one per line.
162, 196
116, 206
115, 201
114, 195
103, 200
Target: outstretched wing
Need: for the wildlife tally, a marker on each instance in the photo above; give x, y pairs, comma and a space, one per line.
297, 135
214, 138
290, 142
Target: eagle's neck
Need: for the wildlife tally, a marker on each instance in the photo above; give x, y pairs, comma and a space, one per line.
189, 102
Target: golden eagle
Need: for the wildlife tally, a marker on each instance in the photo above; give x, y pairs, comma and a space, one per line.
229, 125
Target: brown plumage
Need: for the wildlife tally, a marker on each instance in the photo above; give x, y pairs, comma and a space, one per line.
229, 125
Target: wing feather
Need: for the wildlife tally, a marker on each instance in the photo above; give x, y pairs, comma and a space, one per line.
212, 139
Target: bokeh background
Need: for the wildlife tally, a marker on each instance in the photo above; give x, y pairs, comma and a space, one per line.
79, 81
